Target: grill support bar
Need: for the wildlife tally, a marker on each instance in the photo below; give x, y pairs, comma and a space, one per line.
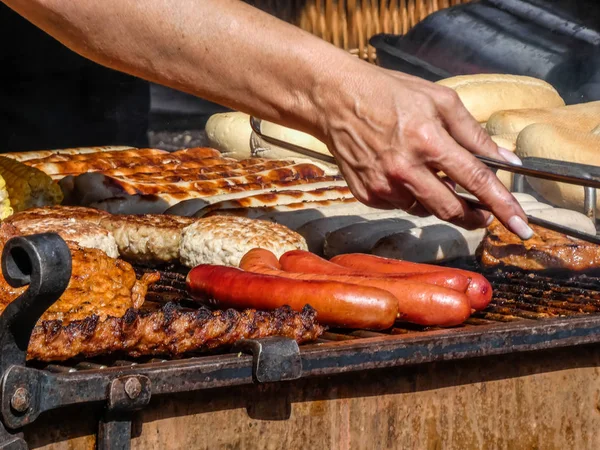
43, 263
27, 392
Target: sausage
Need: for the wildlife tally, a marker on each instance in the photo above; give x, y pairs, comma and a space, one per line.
301, 261
317, 230
293, 217
418, 303
361, 237
442, 241
479, 291
337, 304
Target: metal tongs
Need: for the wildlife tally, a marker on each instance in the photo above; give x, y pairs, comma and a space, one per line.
549, 169
565, 172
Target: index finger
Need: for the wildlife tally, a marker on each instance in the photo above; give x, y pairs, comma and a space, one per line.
475, 177
467, 132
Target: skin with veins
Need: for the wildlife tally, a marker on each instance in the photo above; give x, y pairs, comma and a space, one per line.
390, 133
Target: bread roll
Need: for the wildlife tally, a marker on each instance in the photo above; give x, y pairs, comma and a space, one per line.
263, 149
582, 117
507, 141
485, 94
560, 143
294, 137
230, 134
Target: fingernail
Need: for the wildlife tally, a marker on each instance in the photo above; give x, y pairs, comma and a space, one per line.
489, 221
520, 228
510, 156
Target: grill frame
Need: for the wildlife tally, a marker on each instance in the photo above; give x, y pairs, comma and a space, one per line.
126, 386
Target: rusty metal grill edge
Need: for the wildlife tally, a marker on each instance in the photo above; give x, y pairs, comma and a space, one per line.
121, 386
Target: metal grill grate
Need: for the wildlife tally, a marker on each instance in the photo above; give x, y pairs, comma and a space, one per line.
518, 297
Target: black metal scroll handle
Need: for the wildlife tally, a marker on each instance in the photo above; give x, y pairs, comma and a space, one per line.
42, 261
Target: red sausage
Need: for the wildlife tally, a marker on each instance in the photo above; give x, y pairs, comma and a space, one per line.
337, 304
300, 261
418, 303
479, 290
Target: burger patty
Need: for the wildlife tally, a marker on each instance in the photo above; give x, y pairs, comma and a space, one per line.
147, 239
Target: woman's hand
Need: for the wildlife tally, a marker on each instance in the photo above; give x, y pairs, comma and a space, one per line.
392, 133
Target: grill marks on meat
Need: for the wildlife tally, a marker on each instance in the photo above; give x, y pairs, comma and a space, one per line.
100, 286
118, 154
223, 180
217, 172
169, 331
546, 250
93, 162
103, 311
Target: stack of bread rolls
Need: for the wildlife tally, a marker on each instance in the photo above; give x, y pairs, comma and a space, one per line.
521, 114
488, 96
528, 116
564, 142
232, 135
485, 94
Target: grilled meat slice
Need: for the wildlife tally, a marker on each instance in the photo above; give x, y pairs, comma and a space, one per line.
59, 212
100, 286
104, 161
85, 234
169, 331
546, 250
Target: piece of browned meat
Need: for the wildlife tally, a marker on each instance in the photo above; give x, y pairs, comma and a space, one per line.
546, 250
76, 213
100, 286
99, 314
169, 331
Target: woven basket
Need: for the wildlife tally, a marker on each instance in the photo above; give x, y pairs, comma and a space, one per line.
350, 24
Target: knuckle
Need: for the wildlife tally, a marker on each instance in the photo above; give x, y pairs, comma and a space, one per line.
481, 138
379, 187
397, 173
423, 133
479, 179
448, 97
451, 212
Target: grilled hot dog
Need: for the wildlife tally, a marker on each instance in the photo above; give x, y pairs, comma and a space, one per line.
337, 304
301, 261
418, 303
479, 291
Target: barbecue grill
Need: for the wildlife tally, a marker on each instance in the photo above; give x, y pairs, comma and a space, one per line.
361, 372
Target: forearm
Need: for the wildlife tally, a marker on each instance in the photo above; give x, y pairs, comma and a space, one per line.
222, 50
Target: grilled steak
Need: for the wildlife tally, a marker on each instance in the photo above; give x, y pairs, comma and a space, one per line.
169, 331
546, 250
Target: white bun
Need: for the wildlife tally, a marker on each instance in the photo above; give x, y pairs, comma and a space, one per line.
485, 94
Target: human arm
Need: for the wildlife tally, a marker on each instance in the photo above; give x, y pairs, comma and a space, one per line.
389, 132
